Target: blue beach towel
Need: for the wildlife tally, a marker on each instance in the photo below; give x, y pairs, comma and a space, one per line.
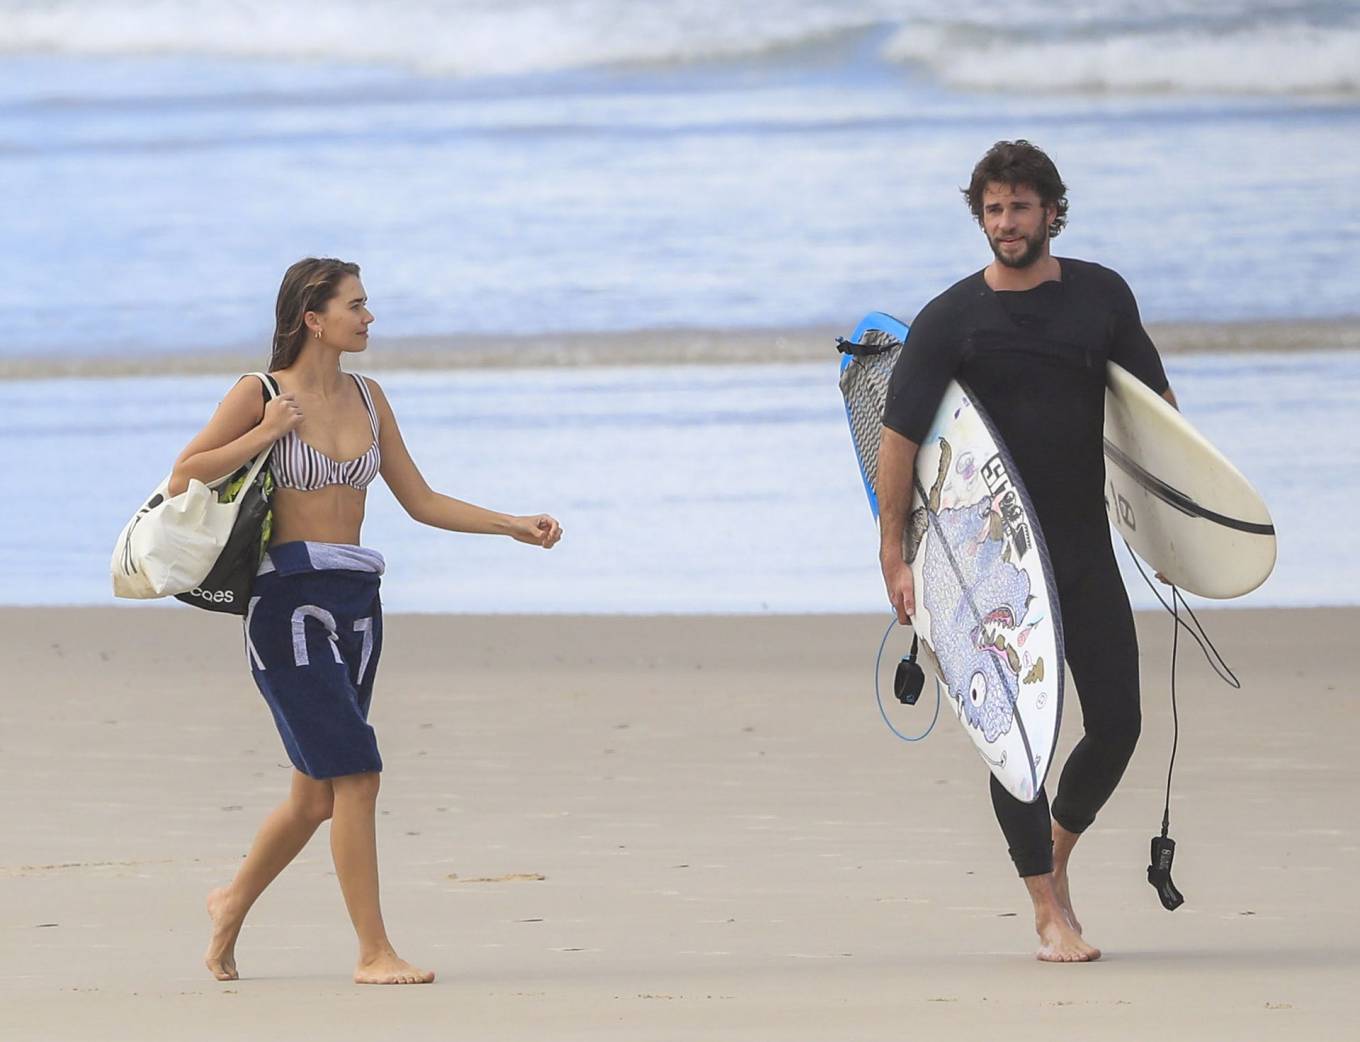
313, 636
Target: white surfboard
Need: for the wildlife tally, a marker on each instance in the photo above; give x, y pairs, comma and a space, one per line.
986, 605
1176, 500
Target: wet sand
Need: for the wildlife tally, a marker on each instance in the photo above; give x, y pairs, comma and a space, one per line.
657, 347
663, 828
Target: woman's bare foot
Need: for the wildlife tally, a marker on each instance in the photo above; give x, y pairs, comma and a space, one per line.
221, 955
389, 968
1061, 943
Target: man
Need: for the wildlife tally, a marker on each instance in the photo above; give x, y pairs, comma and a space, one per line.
1030, 335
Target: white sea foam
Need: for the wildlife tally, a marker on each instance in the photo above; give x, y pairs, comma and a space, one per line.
1293, 59
448, 37
1254, 46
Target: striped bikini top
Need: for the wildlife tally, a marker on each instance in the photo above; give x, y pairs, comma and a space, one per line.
298, 466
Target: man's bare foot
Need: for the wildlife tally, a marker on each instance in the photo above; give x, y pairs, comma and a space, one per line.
221, 955
1064, 895
1059, 942
1063, 843
388, 968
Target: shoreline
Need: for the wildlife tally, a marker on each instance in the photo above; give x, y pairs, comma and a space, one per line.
660, 347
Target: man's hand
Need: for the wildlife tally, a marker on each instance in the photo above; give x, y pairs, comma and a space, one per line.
896, 463
901, 587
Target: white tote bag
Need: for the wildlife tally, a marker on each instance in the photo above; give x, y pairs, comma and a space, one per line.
172, 542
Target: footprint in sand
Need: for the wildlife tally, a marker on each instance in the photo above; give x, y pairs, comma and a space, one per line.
511, 877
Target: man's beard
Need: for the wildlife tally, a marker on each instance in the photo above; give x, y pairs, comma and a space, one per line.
1034, 249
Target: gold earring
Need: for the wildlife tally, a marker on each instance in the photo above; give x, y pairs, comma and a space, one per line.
318, 334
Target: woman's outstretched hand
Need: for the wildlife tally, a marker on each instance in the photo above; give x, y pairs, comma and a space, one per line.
537, 530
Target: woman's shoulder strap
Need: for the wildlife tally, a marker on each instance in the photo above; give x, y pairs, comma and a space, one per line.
368, 402
269, 386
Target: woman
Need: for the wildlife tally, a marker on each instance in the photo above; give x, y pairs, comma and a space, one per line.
314, 626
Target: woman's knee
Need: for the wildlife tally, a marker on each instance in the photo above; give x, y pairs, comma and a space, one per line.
357, 787
318, 810
313, 801
314, 807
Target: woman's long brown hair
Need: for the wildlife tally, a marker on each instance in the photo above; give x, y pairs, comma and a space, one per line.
307, 286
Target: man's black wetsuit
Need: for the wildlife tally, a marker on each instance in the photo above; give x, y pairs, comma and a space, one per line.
1035, 361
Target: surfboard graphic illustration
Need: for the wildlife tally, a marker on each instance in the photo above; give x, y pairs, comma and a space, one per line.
986, 605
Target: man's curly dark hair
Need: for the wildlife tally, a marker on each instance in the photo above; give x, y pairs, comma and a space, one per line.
1018, 163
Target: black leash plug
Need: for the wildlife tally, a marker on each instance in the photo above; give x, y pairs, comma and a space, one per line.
1159, 872
909, 678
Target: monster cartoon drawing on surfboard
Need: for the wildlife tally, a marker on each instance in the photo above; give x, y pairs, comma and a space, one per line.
986, 605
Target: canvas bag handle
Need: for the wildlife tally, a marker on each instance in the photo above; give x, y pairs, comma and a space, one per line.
272, 389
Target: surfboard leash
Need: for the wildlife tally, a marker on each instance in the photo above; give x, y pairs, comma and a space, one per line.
907, 684
1163, 846
1201, 637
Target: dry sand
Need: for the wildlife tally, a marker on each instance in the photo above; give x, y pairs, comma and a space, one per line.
662, 828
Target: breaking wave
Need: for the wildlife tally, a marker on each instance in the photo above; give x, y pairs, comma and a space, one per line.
1186, 46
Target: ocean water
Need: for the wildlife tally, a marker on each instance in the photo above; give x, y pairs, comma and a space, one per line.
681, 489
532, 166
